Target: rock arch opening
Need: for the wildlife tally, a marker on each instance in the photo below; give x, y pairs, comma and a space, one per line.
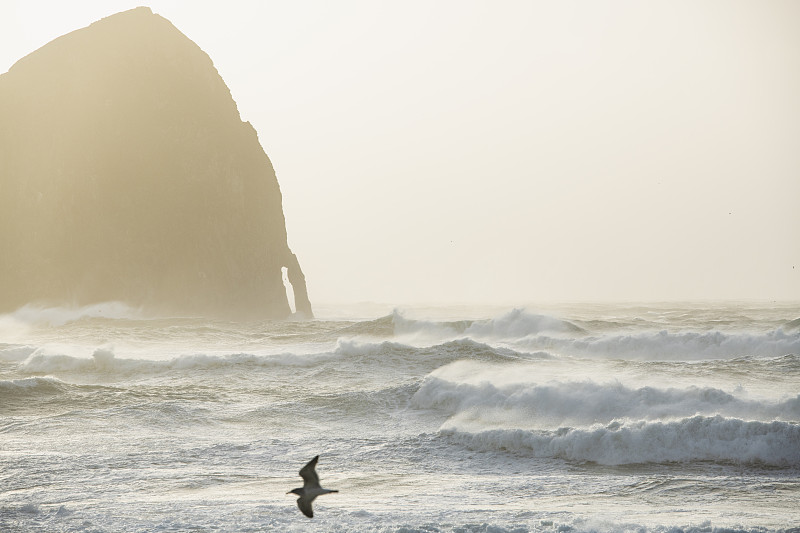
289, 289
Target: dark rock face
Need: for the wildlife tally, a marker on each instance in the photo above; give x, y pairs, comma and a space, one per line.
127, 174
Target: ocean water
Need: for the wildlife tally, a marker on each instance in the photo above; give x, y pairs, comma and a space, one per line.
668, 418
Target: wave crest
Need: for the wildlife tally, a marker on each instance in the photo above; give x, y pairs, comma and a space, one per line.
104, 360
588, 402
31, 386
684, 345
520, 323
698, 438
58, 316
525, 331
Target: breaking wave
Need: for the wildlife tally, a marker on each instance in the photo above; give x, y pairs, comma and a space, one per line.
12, 352
31, 386
104, 360
58, 316
530, 332
356, 352
589, 402
666, 345
698, 438
518, 323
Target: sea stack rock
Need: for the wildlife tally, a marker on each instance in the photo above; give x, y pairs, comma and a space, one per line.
127, 174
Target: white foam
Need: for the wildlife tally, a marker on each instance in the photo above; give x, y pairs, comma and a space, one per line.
16, 352
515, 324
58, 316
424, 331
30, 384
520, 323
531, 332
586, 402
697, 438
682, 345
360, 348
104, 360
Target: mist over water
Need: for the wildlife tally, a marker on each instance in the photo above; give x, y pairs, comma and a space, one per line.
490, 152
582, 418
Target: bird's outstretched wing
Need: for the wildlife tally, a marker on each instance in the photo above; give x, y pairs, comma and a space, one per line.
305, 506
310, 479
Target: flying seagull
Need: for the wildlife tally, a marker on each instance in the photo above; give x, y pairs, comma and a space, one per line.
310, 488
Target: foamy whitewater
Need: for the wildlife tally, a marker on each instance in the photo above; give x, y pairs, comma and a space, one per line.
565, 418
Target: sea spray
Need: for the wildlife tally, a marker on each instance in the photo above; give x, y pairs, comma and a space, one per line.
587, 402
699, 438
473, 424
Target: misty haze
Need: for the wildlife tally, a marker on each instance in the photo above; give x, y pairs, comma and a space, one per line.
551, 249
128, 176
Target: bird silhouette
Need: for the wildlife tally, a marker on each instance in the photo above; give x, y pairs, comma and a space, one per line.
310, 489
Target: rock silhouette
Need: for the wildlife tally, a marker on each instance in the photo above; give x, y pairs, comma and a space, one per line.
127, 174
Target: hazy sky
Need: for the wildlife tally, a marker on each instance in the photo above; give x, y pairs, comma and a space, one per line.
510, 152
